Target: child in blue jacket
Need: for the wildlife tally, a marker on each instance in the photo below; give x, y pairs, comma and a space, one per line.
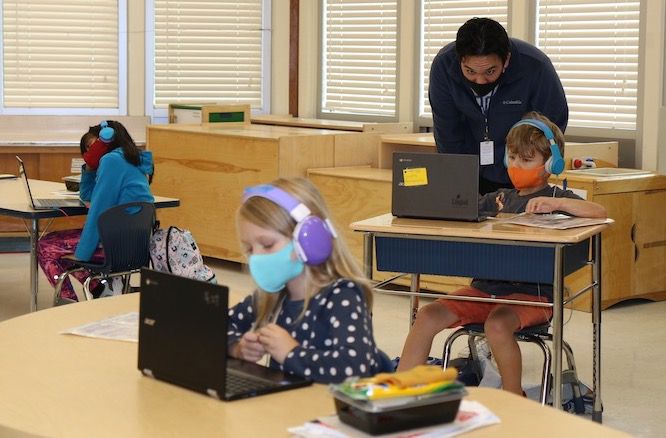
122, 177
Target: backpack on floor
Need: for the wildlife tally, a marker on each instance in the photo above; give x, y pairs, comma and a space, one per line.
174, 250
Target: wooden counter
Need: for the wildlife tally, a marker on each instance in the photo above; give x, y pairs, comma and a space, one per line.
208, 166
342, 125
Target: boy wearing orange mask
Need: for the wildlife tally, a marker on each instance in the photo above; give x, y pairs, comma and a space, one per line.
530, 161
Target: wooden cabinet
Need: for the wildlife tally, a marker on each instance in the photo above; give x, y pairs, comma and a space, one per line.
208, 166
649, 240
634, 247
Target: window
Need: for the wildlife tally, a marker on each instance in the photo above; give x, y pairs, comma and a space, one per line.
440, 21
63, 57
207, 51
594, 47
358, 71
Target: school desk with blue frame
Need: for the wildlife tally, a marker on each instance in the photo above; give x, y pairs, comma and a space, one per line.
14, 203
496, 251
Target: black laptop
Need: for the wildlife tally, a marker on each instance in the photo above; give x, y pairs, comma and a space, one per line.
436, 186
183, 340
44, 203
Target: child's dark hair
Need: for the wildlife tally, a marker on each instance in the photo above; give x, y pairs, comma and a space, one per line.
86, 140
121, 139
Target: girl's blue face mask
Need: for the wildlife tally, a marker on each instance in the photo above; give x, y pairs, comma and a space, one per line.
272, 271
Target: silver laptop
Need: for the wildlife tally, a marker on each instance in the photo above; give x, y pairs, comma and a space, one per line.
183, 340
436, 186
44, 203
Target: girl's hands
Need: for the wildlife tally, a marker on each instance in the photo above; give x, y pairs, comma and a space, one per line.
249, 348
277, 341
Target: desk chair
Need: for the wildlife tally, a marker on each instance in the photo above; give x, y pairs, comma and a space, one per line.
125, 232
538, 335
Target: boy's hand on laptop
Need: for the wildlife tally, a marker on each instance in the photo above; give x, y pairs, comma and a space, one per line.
543, 204
277, 341
249, 348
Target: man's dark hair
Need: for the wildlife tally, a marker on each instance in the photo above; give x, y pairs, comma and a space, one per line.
481, 37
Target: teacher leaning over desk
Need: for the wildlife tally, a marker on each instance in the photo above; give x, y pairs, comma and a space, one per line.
483, 83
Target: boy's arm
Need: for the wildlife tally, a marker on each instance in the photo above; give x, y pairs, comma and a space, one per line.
574, 207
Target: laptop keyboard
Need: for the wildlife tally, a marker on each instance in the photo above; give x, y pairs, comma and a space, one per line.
239, 384
55, 203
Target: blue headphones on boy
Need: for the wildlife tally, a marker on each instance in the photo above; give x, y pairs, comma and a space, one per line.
555, 163
107, 133
313, 236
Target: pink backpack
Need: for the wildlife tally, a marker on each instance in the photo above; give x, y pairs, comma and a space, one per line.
175, 251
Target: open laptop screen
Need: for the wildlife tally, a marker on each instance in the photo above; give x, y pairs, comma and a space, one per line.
24, 179
435, 186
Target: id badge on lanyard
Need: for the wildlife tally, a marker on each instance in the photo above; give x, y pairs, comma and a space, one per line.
487, 146
486, 149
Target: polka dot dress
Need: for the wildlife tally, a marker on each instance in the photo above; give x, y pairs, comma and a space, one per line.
335, 334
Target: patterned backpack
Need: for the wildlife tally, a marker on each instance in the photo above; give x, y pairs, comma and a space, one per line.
175, 251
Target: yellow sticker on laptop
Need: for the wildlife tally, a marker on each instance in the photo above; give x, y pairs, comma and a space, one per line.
416, 176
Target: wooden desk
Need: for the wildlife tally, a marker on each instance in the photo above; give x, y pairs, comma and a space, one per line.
14, 203
495, 251
68, 386
342, 125
208, 167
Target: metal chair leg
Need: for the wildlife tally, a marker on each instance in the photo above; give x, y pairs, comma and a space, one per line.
126, 282
86, 288
446, 354
571, 377
60, 281
545, 372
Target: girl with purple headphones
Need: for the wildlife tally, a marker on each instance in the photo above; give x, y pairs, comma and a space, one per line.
311, 312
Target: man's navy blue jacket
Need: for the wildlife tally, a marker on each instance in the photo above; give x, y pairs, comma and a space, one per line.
529, 83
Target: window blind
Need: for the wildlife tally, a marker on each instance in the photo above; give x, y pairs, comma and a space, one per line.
594, 47
62, 54
359, 58
440, 20
208, 51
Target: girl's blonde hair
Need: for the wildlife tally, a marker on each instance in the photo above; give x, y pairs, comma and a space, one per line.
524, 140
266, 214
